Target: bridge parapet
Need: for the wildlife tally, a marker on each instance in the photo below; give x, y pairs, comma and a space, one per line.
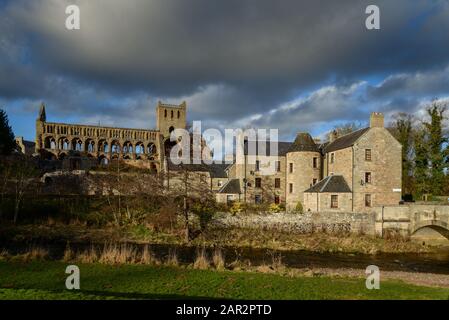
407, 219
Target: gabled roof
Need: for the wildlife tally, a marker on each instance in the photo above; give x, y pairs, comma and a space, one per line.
344, 141
231, 187
303, 142
218, 170
215, 170
333, 183
282, 148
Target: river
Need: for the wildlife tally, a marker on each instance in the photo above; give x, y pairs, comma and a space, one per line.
437, 262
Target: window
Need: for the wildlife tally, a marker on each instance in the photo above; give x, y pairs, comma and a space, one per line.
315, 163
290, 167
290, 187
332, 157
171, 114
258, 199
277, 200
257, 165
367, 177
277, 183
258, 183
368, 154
334, 201
367, 200
278, 166
314, 181
179, 114
165, 113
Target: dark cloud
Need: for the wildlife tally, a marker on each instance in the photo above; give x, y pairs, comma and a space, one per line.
234, 61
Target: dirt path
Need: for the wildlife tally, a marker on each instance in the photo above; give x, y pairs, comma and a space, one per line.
417, 278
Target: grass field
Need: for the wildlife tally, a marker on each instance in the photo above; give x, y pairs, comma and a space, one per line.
46, 280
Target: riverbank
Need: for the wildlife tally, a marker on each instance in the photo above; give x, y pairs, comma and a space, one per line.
46, 279
213, 237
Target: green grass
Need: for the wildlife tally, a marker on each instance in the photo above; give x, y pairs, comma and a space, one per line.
46, 280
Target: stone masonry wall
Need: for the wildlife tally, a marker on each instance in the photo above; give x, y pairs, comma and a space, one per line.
308, 222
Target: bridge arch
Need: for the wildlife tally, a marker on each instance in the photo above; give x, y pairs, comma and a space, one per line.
439, 226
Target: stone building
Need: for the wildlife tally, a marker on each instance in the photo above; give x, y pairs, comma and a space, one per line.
24, 146
351, 173
88, 144
354, 172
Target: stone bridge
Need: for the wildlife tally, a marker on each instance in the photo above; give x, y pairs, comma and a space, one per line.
416, 220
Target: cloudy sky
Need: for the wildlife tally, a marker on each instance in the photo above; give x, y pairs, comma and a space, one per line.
293, 65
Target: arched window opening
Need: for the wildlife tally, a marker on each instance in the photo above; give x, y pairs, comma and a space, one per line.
151, 149
115, 147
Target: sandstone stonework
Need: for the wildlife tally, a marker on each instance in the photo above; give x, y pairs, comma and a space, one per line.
140, 147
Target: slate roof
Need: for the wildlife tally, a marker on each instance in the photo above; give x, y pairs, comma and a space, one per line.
215, 170
282, 148
218, 170
334, 183
344, 141
303, 142
231, 187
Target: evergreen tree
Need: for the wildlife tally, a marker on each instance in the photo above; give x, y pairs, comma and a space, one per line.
7, 142
402, 130
437, 150
421, 170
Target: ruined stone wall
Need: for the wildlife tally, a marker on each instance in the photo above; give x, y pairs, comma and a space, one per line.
330, 222
170, 116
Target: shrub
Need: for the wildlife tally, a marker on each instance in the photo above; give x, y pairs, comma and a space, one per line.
275, 208
237, 207
299, 208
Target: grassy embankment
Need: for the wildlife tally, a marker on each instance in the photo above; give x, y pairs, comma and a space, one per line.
269, 239
121, 272
46, 280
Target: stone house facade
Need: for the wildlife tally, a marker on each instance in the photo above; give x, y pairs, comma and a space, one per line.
366, 165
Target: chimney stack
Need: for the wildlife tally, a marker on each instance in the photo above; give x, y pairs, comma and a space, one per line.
376, 120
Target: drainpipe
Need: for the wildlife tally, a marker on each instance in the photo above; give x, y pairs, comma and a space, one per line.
244, 179
382, 223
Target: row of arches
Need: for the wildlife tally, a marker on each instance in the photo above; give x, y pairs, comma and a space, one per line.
102, 146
